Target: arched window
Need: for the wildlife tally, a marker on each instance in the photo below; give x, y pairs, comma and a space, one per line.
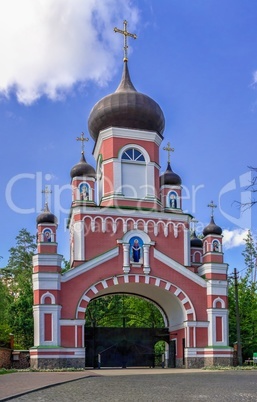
133, 154
134, 180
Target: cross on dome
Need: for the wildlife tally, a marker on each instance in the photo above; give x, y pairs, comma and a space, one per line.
212, 206
126, 34
169, 150
46, 191
82, 139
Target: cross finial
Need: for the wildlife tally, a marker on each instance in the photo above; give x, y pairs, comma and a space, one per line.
46, 191
126, 34
194, 222
212, 206
169, 150
82, 139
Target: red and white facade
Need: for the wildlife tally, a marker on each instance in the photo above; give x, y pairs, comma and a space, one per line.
124, 203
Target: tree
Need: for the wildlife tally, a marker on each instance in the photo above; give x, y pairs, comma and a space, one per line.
247, 299
123, 310
18, 277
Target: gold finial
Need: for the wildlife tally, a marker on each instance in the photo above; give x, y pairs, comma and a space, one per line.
126, 34
169, 150
212, 206
82, 139
46, 191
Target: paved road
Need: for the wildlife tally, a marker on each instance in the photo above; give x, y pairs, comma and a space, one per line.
218, 386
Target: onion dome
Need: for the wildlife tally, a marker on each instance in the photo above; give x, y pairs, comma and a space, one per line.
212, 229
82, 168
170, 178
195, 241
126, 108
46, 216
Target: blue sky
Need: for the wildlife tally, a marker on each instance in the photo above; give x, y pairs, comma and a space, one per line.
196, 58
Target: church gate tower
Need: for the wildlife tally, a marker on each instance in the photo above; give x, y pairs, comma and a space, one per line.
129, 234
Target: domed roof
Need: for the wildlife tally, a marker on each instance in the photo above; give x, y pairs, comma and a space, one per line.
212, 228
126, 108
82, 168
46, 216
169, 177
195, 241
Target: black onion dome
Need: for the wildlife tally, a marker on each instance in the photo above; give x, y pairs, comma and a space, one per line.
169, 177
126, 108
195, 241
46, 216
82, 168
212, 228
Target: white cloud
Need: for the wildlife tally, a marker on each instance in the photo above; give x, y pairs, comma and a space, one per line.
48, 46
234, 238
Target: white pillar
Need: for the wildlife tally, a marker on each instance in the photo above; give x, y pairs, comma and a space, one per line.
126, 263
146, 248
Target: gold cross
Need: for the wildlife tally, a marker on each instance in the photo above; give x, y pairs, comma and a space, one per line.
82, 139
126, 34
169, 150
46, 191
212, 206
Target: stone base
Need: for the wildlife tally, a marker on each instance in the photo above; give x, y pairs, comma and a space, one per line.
204, 357
179, 363
57, 358
51, 363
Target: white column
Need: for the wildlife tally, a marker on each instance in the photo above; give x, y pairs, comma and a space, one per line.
146, 248
126, 263
186, 247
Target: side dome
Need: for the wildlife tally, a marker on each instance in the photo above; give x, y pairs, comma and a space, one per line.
170, 178
126, 108
46, 216
212, 228
195, 241
82, 169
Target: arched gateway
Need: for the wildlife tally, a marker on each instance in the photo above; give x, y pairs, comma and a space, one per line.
129, 234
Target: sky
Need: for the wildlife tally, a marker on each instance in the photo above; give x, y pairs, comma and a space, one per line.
196, 58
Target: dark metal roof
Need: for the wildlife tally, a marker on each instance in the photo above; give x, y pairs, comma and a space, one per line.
212, 228
82, 168
46, 216
195, 241
169, 177
126, 108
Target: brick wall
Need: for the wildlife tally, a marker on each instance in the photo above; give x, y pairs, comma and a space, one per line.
5, 358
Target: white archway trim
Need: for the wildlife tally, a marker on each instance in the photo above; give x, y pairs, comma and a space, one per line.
86, 266
179, 268
184, 300
45, 295
146, 239
217, 300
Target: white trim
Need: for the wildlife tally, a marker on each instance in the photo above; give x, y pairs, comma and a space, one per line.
86, 266
71, 322
131, 134
217, 288
46, 281
213, 268
47, 259
179, 268
47, 294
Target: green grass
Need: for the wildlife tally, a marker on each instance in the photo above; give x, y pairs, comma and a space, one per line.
7, 371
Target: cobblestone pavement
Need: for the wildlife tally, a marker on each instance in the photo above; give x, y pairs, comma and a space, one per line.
219, 386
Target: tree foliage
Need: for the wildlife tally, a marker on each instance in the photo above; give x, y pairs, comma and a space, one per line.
247, 300
17, 278
123, 310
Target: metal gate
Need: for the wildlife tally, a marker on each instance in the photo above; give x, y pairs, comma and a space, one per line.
124, 347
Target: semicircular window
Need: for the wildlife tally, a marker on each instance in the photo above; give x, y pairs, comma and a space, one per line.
133, 154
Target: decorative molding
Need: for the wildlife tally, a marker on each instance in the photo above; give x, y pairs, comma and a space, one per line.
179, 268
135, 278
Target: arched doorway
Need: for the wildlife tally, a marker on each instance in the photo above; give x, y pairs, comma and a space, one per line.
121, 331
